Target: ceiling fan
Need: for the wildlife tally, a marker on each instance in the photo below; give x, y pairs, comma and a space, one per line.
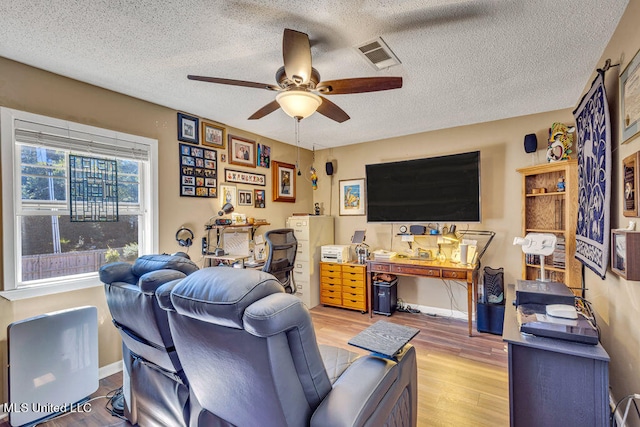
299, 86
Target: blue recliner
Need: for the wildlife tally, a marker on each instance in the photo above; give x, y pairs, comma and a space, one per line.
155, 389
250, 354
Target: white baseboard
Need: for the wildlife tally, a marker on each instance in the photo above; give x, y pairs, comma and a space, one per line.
440, 312
111, 369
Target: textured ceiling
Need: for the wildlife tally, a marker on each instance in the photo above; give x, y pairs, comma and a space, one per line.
463, 62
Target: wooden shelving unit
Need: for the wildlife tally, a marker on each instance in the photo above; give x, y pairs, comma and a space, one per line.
547, 210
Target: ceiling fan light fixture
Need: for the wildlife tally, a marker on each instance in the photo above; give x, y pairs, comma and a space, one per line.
298, 103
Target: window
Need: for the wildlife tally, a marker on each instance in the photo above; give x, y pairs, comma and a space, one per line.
44, 251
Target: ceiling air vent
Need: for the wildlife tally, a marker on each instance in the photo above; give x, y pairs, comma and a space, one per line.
378, 54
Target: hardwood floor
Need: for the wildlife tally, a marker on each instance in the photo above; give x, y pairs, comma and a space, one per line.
462, 380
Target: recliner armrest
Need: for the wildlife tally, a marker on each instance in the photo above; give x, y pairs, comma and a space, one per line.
163, 295
119, 271
370, 384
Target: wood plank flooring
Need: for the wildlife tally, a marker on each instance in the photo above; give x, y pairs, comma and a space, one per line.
462, 380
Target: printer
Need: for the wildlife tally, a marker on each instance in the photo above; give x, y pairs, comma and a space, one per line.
334, 253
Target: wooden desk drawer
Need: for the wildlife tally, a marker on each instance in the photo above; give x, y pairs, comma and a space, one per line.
336, 287
412, 269
379, 268
354, 304
354, 279
357, 289
331, 293
352, 295
331, 279
331, 267
331, 300
452, 274
353, 269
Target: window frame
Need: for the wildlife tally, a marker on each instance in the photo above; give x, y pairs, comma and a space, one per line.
12, 288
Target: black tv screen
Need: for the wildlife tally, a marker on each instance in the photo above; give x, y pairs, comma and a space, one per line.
434, 189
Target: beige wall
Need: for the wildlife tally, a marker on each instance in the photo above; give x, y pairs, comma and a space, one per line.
29, 89
617, 301
501, 151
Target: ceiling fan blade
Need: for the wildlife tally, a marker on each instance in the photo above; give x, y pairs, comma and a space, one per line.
332, 111
359, 85
296, 53
267, 109
233, 82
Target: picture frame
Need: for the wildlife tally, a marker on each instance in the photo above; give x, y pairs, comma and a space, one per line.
243, 177
631, 183
264, 156
188, 128
245, 198
228, 194
213, 135
625, 254
284, 182
242, 151
259, 198
629, 98
198, 171
352, 196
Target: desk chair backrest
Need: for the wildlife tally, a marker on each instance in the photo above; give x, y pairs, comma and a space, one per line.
283, 247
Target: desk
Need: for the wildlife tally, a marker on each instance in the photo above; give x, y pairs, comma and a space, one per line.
228, 260
431, 269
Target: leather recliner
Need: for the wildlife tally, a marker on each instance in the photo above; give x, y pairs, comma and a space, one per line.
250, 354
156, 392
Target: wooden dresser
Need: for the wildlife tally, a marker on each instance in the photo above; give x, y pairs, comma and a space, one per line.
343, 285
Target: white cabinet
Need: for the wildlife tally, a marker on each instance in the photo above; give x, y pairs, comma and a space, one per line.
311, 232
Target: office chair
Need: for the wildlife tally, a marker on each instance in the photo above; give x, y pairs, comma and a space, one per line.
283, 247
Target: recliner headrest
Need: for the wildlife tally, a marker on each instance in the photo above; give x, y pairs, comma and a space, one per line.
147, 263
220, 295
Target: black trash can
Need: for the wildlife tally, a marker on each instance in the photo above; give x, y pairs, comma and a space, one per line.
385, 297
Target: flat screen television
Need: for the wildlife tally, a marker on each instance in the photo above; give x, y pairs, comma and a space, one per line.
434, 189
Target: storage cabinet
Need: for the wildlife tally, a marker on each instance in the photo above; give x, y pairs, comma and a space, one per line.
343, 285
550, 205
311, 232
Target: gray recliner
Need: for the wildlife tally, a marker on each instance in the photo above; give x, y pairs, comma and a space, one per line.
250, 354
156, 392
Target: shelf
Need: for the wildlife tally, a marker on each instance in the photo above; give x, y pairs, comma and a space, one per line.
540, 230
548, 267
553, 193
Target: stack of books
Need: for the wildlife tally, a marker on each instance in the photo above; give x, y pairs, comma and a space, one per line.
558, 256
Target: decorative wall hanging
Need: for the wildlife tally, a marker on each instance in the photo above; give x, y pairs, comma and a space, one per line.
198, 171
259, 198
242, 151
213, 135
245, 198
284, 182
242, 177
629, 97
631, 183
227, 195
264, 155
594, 178
352, 197
93, 185
187, 128
560, 142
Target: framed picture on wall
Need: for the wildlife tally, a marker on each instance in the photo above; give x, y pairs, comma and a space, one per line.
245, 198
259, 198
228, 195
629, 96
187, 128
283, 181
198, 171
213, 135
242, 151
352, 197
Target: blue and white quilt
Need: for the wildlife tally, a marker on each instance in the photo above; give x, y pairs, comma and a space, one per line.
593, 129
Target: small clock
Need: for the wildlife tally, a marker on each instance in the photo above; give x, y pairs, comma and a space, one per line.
403, 229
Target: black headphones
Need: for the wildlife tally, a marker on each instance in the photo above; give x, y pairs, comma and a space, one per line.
182, 241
